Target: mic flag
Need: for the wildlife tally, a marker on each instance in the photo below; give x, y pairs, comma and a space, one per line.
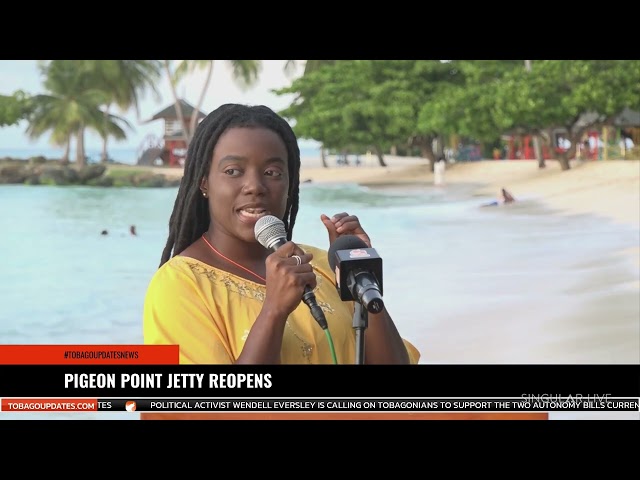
358, 270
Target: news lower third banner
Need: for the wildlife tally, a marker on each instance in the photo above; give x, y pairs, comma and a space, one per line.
148, 378
544, 403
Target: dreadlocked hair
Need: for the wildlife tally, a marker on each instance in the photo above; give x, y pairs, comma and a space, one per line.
190, 216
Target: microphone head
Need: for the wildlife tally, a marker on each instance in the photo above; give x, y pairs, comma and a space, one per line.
346, 242
268, 230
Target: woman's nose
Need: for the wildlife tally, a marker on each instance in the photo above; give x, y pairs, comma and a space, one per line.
254, 183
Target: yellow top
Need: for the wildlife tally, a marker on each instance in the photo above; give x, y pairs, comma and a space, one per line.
209, 312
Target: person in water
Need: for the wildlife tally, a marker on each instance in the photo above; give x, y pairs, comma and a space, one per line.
503, 197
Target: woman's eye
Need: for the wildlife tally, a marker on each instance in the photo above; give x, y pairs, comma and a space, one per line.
232, 172
273, 173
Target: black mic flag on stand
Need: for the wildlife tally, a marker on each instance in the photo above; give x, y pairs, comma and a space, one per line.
358, 270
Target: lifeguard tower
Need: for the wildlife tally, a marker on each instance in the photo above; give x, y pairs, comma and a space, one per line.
172, 150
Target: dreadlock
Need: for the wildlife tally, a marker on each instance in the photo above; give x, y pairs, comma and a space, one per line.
190, 216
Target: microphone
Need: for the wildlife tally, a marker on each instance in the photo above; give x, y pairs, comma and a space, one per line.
271, 234
358, 272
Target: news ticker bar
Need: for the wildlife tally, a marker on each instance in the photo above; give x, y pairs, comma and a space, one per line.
547, 404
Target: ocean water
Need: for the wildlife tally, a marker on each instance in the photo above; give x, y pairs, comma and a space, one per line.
454, 274
124, 155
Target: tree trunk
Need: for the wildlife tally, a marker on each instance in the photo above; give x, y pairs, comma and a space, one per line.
536, 140
564, 157
439, 146
185, 127
65, 154
564, 161
104, 155
538, 151
425, 144
323, 157
380, 156
81, 160
426, 150
194, 117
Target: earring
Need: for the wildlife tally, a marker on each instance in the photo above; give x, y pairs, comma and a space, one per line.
204, 194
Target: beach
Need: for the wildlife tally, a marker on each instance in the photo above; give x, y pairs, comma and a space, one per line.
609, 189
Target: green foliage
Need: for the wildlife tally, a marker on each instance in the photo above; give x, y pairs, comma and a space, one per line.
362, 103
468, 108
124, 172
557, 93
14, 108
133, 177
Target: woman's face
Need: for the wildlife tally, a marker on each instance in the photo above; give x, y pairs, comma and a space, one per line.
248, 178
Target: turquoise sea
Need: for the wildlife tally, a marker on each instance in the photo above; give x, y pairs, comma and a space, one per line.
118, 154
511, 284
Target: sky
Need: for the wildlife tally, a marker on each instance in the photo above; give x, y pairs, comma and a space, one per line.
24, 75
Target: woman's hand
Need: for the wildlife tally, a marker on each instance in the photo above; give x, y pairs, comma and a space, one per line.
344, 224
287, 279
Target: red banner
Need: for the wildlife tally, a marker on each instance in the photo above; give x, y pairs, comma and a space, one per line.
89, 355
49, 405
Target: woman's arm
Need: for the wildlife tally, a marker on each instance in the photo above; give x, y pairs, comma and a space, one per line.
383, 343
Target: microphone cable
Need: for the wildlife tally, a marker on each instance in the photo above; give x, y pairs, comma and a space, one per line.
331, 347
318, 315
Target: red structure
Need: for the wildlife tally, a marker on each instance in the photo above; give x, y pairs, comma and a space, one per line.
173, 149
521, 148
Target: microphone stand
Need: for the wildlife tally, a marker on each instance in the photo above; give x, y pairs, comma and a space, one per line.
360, 323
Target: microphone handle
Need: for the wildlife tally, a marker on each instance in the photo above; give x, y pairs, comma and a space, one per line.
310, 299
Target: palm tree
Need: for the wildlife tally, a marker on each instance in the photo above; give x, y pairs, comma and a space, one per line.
49, 114
111, 126
244, 72
71, 105
124, 83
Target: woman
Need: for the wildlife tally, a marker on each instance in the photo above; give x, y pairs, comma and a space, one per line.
223, 297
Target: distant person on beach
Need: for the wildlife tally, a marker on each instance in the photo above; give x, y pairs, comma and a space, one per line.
132, 230
438, 170
586, 147
506, 197
503, 197
220, 294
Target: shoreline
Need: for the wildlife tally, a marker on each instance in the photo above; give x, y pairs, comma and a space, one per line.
605, 188
610, 189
